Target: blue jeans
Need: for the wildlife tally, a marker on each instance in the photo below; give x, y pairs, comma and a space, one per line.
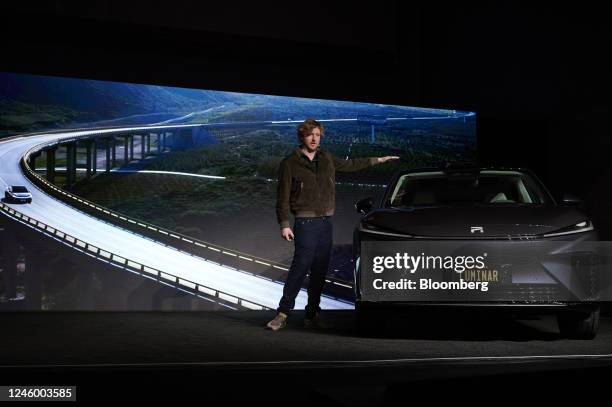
313, 246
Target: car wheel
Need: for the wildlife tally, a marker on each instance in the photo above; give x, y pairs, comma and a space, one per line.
7, 197
368, 321
29, 201
579, 325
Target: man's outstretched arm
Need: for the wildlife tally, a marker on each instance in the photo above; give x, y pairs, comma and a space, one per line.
357, 164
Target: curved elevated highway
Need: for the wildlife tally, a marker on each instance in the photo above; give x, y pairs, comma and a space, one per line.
261, 292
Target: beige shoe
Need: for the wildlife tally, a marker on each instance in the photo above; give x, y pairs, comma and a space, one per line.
278, 322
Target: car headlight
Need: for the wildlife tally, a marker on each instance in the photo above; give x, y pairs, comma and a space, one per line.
365, 228
581, 227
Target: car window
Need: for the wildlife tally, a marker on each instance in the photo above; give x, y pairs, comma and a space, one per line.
489, 187
20, 189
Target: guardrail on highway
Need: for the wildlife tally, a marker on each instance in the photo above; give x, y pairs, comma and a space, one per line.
202, 291
230, 258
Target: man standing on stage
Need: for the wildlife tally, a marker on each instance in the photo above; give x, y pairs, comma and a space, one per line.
307, 188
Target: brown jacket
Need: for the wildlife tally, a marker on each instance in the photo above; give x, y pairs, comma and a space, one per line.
307, 188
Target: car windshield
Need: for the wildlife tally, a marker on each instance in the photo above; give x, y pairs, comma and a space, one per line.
19, 189
487, 187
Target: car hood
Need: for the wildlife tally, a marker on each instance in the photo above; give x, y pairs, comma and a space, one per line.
457, 221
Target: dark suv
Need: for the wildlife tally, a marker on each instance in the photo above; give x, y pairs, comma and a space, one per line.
540, 254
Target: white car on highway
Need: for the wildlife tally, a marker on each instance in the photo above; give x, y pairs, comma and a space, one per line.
17, 193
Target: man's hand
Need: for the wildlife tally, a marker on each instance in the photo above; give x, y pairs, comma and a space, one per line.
387, 158
287, 234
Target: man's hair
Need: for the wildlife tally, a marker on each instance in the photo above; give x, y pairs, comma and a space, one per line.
307, 127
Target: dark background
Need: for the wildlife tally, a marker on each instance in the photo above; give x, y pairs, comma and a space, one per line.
536, 74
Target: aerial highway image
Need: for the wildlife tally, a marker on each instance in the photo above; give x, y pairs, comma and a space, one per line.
179, 186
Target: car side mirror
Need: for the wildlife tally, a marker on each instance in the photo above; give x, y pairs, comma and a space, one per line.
364, 206
569, 199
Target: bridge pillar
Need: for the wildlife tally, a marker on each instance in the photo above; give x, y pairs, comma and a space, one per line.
162, 145
85, 289
70, 164
88, 159
148, 143
94, 158
34, 263
107, 147
9, 251
373, 136
33, 161
131, 147
126, 149
50, 152
114, 152
113, 291
155, 143
143, 137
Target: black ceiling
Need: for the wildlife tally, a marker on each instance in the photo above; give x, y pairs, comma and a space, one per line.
499, 59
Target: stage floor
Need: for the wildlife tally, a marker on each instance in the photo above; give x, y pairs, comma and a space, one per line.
200, 353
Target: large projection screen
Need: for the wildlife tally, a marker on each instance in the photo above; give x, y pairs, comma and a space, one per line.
199, 165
